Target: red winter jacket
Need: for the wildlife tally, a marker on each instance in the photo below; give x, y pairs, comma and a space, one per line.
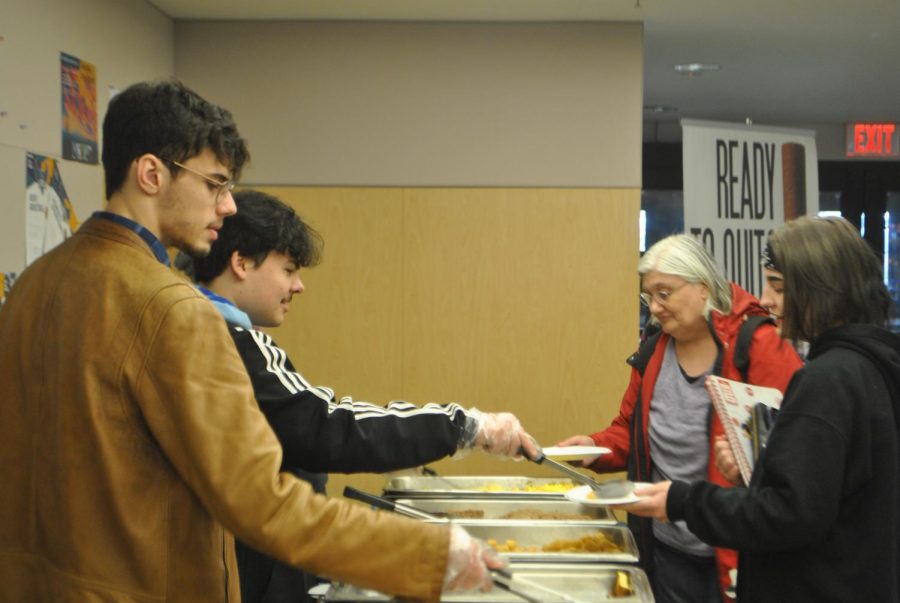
773, 362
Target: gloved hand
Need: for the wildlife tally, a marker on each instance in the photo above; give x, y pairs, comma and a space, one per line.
497, 433
468, 563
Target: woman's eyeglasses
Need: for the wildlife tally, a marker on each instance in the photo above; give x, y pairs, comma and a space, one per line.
660, 296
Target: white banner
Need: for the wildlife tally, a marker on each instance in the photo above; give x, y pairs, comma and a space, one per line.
740, 183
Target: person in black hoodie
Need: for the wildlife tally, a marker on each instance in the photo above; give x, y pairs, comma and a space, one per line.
820, 519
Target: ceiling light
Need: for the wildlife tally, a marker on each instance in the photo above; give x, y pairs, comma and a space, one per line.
696, 68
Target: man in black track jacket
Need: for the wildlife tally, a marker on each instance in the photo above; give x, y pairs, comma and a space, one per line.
251, 275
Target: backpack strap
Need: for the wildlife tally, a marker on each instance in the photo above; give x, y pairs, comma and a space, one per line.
641, 358
744, 338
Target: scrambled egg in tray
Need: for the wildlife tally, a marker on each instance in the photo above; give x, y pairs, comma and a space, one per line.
563, 486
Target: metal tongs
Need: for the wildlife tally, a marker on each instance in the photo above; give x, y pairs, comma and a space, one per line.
500, 577
389, 505
612, 488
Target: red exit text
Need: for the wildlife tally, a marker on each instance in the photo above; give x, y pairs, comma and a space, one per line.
872, 140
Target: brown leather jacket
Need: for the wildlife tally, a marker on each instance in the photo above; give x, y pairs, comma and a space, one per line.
132, 448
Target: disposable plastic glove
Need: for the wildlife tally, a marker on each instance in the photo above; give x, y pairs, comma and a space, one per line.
497, 433
469, 563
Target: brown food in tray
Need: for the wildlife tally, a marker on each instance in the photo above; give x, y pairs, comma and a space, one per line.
598, 542
536, 514
517, 514
462, 514
512, 546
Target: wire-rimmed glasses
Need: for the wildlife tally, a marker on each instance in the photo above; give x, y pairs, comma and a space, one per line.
220, 186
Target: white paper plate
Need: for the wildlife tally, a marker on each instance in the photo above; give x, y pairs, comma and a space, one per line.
580, 495
575, 453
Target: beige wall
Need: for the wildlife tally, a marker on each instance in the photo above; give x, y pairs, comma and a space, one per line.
485, 249
423, 104
126, 40
497, 270
507, 299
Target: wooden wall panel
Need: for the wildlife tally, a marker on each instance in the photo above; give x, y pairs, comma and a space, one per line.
508, 299
343, 330
522, 300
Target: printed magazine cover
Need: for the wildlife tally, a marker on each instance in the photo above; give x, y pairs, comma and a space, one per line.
734, 402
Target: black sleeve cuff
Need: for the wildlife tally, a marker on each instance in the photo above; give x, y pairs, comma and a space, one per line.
675, 501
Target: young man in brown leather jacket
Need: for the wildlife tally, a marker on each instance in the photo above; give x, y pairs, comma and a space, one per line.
133, 447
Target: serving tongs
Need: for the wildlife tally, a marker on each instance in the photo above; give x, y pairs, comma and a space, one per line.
500, 577
389, 505
612, 488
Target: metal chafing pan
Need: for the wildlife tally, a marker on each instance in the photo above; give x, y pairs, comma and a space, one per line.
582, 583
491, 486
531, 533
494, 509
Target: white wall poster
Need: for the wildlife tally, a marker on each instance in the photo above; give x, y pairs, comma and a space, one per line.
7, 278
49, 216
740, 183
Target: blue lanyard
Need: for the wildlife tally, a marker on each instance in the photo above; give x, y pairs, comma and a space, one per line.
156, 246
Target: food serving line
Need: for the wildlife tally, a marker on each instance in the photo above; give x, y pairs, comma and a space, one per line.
563, 544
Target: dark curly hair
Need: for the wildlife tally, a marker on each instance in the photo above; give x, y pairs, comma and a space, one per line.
262, 224
168, 120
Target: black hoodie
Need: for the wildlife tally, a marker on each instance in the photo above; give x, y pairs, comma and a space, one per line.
820, 520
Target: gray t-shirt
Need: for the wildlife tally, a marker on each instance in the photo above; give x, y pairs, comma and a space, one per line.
679, 441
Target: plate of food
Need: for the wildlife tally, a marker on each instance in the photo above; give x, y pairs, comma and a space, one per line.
587, 496
575, 453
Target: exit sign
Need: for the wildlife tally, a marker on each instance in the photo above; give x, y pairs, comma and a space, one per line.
872, 140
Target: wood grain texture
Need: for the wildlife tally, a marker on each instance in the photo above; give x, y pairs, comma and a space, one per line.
521, 300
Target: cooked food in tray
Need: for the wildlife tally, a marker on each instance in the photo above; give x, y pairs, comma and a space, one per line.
562, 486
536, 514
558, 542
597, 542
518, 514
623, 586
461, 514
477, 486
511, 509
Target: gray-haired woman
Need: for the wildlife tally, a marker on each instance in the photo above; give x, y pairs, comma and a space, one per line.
820, 519
666, 426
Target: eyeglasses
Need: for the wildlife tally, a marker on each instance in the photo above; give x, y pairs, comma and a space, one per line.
660, 296
221, 187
